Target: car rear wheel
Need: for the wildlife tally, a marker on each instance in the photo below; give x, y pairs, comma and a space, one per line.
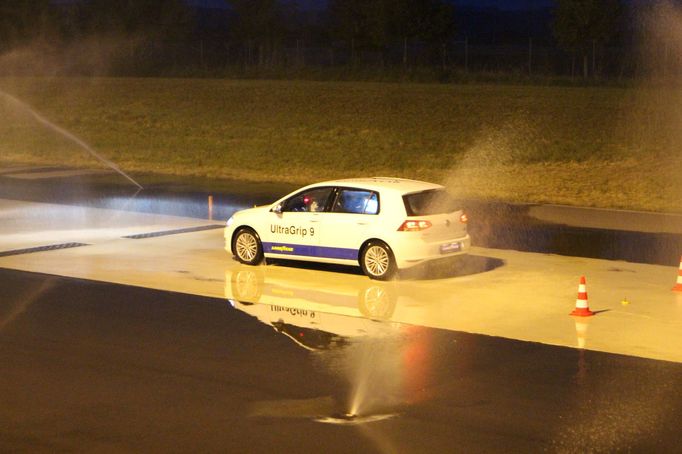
247, 247
377, 261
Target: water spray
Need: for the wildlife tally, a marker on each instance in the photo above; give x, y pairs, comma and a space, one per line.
353, 419
63, 132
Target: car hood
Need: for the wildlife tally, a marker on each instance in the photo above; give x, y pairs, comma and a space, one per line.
252, 211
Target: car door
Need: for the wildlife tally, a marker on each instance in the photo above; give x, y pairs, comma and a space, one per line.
352, 216
294, 225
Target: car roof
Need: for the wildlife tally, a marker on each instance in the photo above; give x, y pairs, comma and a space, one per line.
400, 185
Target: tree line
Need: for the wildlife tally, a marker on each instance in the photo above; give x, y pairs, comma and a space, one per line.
271, 32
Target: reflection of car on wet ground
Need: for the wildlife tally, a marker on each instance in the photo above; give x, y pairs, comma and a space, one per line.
294, 308
315, 330
349, 295
382, 224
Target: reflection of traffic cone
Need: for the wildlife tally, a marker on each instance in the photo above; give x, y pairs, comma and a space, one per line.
581, 331
678, 286
581, 308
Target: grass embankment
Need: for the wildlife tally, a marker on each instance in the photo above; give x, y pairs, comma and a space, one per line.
609, 147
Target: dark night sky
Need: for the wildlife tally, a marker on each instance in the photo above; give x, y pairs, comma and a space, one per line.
506, 4
482, 4
514, 20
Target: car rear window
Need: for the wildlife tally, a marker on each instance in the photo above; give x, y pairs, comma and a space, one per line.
356, 201
433, 201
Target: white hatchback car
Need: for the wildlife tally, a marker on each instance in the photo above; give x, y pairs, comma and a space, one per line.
382, 224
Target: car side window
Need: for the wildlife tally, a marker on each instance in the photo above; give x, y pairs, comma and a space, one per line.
356, 201
312, 200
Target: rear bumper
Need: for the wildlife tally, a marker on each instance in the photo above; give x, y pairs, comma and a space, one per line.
414, 253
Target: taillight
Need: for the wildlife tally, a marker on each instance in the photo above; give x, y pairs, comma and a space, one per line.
464, 218
414, 226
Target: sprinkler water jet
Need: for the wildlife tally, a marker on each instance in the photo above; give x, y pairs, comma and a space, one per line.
63, 132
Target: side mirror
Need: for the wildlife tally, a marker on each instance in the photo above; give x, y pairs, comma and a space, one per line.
277, 208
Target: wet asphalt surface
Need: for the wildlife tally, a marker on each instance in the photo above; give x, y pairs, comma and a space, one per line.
91, 366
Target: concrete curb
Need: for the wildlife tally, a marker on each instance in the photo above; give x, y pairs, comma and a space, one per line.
607, 219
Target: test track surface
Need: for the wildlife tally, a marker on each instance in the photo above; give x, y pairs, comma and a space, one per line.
527, 298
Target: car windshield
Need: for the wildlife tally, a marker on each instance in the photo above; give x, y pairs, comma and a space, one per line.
433, 201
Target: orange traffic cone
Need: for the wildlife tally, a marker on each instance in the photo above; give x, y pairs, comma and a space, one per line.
581, 308
678, 286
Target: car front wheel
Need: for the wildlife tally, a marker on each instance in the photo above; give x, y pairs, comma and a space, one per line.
247, 247
377, 261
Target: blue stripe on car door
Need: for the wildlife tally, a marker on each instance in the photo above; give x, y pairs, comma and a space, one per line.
312, 251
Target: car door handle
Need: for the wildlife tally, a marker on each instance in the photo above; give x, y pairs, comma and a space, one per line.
363, 223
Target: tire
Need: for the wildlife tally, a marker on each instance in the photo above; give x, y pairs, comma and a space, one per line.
377, 261
246, 247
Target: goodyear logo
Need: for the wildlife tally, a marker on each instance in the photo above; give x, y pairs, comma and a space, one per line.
282, 248
282, 292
